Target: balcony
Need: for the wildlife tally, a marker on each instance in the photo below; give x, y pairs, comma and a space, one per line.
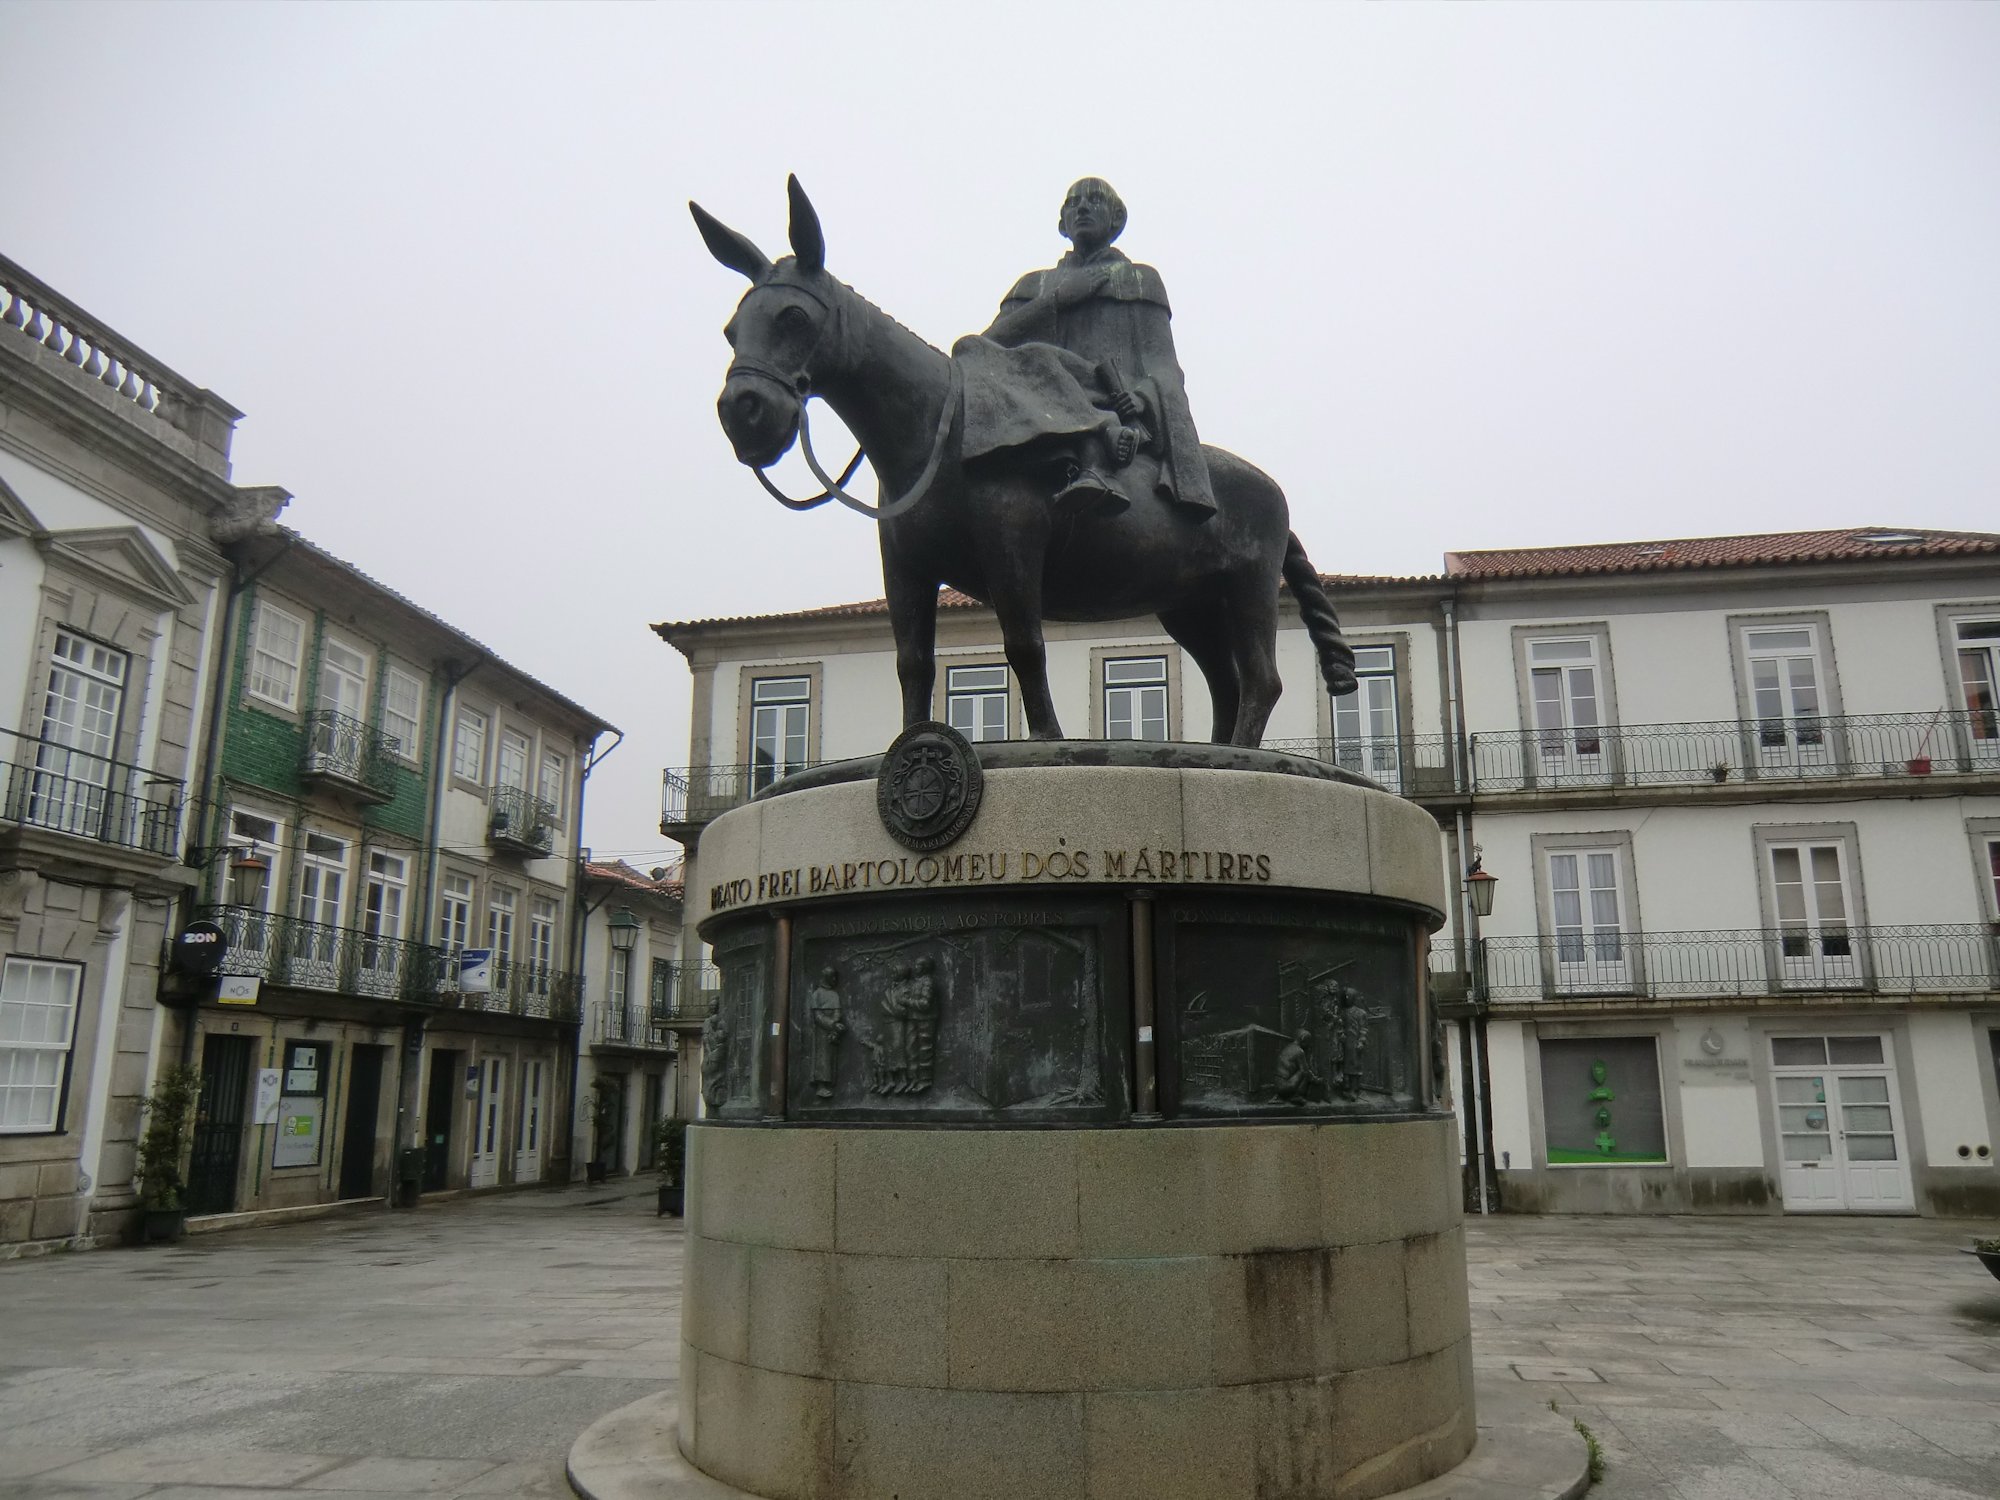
301, 955
1904, 749
518, 820
1747, 963
634, 1026
57, 790
521, 988
348, 756
692, 797
1415, 765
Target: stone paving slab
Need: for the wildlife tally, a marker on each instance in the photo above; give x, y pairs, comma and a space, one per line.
461, 1348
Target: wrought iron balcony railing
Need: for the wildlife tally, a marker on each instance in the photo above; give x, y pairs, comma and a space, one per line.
682, 991
1946, 958
634, 1024
518, 819
304, 955
1411, 765
67, 791
694, 796
1898, 747
521, 988
354, 755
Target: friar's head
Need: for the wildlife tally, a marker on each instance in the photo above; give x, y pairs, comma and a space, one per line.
1093, 215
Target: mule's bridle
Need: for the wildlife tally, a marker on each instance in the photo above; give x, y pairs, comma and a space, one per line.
799, 385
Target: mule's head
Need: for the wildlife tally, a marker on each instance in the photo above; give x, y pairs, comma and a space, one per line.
783, 325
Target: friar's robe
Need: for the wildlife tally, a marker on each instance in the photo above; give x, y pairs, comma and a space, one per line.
1044, 382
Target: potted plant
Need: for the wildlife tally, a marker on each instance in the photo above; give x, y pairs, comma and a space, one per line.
604, 1112
169, 1112
670, 1159
1719, 771
1988, 1251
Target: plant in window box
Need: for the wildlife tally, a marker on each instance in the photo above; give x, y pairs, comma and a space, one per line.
604, 1111
169, 1112
1988, 1251
670, 1157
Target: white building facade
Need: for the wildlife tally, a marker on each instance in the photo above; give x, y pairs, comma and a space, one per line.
1741, 797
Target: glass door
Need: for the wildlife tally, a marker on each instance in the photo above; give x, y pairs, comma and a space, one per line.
316, 935
780, 717
1840, 1125
1364, 721
1979, 682
1791, 732
1816, 946
1591, 953
1569, 740
71, 789
382, 923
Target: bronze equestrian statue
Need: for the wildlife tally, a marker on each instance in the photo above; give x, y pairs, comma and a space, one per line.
1049, 468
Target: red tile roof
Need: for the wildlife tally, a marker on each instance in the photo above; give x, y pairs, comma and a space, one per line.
1873, 543
617, 872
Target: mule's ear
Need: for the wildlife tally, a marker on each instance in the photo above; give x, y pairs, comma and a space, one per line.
808, 243
727, 246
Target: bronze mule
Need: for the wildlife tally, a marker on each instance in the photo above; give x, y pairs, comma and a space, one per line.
993, 534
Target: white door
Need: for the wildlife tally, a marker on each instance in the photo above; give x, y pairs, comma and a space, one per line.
1364, 722
1840, 1125
382, 921
1979, 681
72, 786
316, 936
1816, 945
528, 1129
1569, 739
1791, 732
1591, 951
486, 1125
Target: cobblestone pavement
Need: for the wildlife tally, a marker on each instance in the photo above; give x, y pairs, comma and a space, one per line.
458, 1350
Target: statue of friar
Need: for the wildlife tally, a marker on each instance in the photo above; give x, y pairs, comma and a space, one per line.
1078, 374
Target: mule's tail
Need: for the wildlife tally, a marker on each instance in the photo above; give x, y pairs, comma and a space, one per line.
1336, 657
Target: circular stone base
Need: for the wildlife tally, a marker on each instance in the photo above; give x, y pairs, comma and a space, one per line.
1524, 1452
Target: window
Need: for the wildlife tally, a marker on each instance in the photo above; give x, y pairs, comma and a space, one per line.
455, 913
402, 712
468, 746
254, 840
71, 788
500, 907
1135, 698
1782, 665
1563, 694
1364, 721
1993, 876
975, 701
554, 785
37, 1024
542, 933
276, 646
510, 761
1588, 920
663, 989
388, 883
1978, 646
780, 723
343, 680
1810, 895
618, 981
1601, 1101
322, 874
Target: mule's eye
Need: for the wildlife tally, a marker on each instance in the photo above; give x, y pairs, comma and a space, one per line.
792, 319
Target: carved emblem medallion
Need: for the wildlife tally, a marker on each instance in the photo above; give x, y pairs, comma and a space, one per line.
928, 788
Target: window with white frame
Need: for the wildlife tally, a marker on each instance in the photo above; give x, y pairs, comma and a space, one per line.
468, 745
618, 981
343, 679
72, 783
1978, 648
1784, 672
1993, 875
383, 900
1587, 911
501, 905
780, 728
254, 840
402, 711
1364, 721
1135, 698
277, 646
322, 879
553, 787
455, 913
1563, 687
1813, 900
38, 1001
975, 701
510, 760
542, 933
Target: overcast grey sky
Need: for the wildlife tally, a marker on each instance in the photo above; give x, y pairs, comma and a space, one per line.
1457, 276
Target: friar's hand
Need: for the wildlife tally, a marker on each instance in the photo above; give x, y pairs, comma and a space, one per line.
1130, 407
1071, 288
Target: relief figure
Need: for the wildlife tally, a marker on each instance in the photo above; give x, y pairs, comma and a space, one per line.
823, 1031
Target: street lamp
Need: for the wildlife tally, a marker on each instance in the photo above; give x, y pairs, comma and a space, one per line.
625, 930
1481, 885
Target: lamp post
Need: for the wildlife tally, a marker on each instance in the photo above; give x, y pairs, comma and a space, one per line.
625, 929
1480, 885
1480, 888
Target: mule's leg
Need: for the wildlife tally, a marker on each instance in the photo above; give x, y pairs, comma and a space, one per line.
1198, 630
913, 619
1251, 607
1014, 577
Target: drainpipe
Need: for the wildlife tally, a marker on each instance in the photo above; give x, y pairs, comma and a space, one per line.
579, 938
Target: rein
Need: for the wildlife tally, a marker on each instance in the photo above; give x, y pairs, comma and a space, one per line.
801, 387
